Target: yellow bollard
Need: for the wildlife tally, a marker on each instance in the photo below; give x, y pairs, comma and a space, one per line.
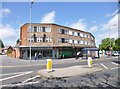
89, 62
49, 65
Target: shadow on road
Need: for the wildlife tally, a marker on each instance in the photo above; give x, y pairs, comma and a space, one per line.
88, 81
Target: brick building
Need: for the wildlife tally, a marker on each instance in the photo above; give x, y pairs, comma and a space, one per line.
53, 41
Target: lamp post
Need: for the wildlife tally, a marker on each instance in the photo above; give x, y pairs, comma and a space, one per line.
20, 28
30, 26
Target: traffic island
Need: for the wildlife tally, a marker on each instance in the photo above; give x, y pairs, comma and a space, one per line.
68, 72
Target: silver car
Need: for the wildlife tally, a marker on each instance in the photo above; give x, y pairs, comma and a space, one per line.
115, 53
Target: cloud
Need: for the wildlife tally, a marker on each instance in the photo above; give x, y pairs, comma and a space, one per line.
49, 17
8, 34
113, 14
93, 29
111, 23
110, 29
80, 25
4, 12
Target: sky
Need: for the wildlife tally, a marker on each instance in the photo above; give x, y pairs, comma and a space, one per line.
99, 18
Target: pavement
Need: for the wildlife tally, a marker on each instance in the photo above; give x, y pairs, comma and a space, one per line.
69, 71
14, 62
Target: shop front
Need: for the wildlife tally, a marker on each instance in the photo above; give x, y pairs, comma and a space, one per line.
43, 52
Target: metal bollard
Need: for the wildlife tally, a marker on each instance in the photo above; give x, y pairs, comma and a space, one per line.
89, 62
49, 65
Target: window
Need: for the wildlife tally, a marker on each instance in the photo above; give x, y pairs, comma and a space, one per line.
78, 42
30, 30
78, 34
70, 32
59, 30
66, 32
75, 34
63, 31
81, 34
63, 40
86, 42
35, 29
60, 40
72, 41
81, 42
48, 39
48, 29
43, 29
75, 41
39, 39
85, 35
40, 29
32, 39
66, 40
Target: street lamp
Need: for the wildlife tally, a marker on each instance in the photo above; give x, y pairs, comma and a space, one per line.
30, 25
20, 28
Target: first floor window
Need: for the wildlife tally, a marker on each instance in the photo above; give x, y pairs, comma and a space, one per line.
48, 39
32, 39
39, 39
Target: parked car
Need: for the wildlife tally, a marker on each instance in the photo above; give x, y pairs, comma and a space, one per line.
115, 53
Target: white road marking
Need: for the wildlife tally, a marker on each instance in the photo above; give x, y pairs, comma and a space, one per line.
13, 73
21, 66
114, 63
31, 78
19, 84
115, 68
15, 76
104, 66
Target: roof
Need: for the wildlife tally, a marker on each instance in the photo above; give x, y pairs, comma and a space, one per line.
90, 49
58, 25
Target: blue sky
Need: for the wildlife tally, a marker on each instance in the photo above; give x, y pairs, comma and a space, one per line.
95, 17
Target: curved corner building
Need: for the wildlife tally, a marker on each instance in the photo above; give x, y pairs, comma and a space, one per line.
53, 41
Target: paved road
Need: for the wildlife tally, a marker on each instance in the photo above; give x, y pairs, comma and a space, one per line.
15, 71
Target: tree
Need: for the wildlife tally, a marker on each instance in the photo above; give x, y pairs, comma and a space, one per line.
117, 44
106, 44
1, 44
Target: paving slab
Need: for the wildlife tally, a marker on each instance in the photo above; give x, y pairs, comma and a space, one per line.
69, 71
